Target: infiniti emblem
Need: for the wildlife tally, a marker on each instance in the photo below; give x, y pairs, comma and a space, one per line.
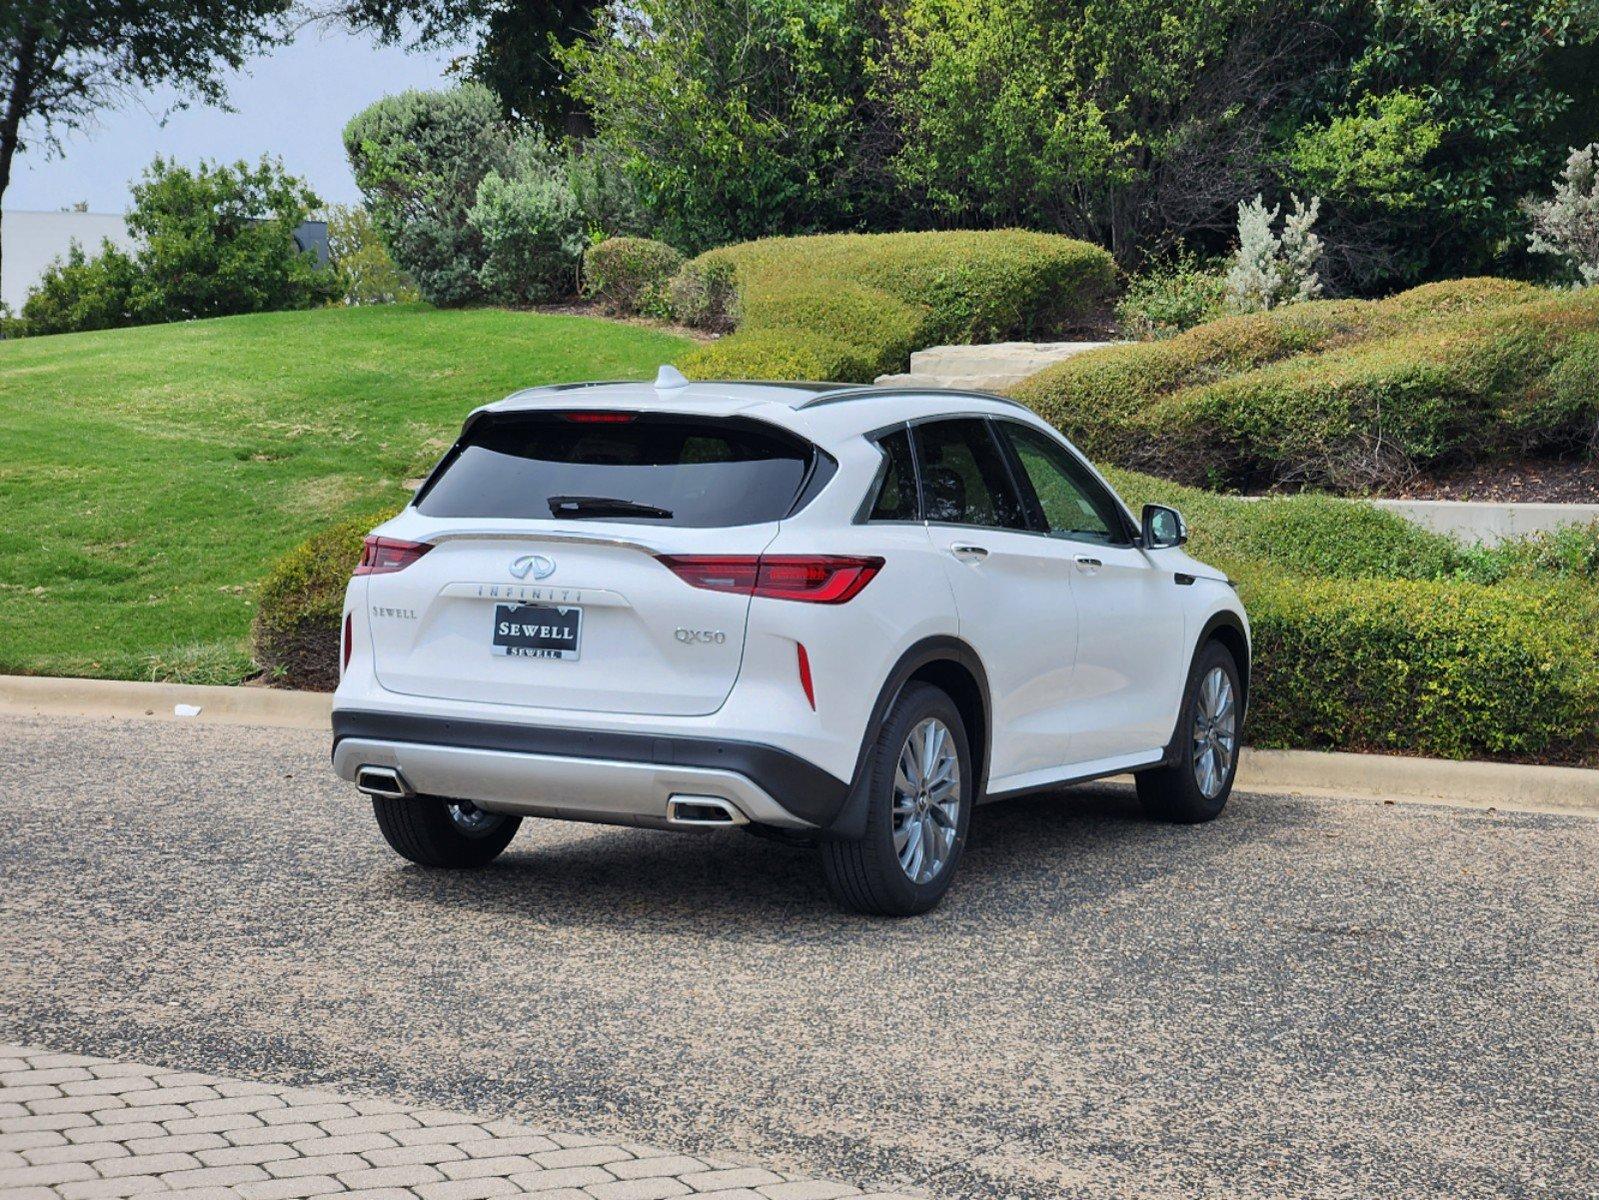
537, 565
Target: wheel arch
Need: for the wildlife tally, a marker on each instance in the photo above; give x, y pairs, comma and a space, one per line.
1227, 628
953, 667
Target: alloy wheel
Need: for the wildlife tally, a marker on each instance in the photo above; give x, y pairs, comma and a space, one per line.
1215, 732
927, 800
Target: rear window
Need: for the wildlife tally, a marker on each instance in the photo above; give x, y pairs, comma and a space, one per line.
652, 469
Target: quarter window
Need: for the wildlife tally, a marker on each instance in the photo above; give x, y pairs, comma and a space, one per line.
1069, 499
964, 477
896, 497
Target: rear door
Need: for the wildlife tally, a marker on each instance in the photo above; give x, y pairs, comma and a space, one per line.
544, 585
1013, 595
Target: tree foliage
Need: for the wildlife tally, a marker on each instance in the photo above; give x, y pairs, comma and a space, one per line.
737, 118
213, 241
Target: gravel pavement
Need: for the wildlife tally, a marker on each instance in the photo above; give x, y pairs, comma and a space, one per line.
1306, 998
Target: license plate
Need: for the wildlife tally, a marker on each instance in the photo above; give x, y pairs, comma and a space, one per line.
537, 630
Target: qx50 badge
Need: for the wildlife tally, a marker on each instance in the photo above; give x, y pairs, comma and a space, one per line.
536, 566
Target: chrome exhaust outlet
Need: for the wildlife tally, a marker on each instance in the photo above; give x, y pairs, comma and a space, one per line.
703, 812
386, 783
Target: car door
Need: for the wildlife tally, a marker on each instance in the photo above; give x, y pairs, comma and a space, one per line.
1130, 635
1013, 595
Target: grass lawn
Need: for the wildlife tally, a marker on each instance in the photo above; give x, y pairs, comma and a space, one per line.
148, 477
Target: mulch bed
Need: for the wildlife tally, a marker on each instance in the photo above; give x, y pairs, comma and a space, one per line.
1541, 481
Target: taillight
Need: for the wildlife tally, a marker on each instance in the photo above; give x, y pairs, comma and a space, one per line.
600, 418
384, 556
349, 643
814, 578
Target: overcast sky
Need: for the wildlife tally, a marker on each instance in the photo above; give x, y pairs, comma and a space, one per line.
293, 104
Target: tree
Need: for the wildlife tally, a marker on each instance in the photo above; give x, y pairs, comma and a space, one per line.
738, 118
61, 61
212, 241
1132, 123
515, 46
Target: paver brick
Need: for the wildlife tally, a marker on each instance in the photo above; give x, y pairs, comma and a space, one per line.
737, 1177
367, 1123
49, 1174
226, 1124
48, 1121
101, 1189
30, 1139
33, 1076
562, 1177
73, 1152
225, 1156
238, 1104
399, 1156
290, 1134
582, 1156
289, 1189
181, 1095
228, 1176
317, 1164
649, 1168
83, 1104
109, 1085
481, 1168
373, 1177
807, 1189
350, 1143
469, 1189
533, 1143
176, 1143
439, 1135
148, 1164
638, 1189
116, 1133
308, 1114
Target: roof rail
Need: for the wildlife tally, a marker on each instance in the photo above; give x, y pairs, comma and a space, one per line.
873, 391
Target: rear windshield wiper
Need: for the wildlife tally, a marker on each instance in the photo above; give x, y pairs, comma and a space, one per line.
605, 506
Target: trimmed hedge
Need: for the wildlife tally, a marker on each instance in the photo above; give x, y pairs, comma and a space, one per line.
629, 275
1346, 395
1370, 634
850, 307
1374, 635
296, 631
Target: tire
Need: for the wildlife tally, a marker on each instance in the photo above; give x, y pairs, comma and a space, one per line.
1195, 788
867, 875
432, 832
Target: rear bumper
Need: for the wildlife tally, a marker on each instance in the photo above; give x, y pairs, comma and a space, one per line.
623, 778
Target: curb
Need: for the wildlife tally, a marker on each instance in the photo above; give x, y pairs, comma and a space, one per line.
41, 695
1301, 772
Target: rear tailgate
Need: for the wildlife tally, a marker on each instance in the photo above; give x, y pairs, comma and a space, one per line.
608, 627
539, 581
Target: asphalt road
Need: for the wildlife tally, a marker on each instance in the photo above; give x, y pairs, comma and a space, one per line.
1306, 998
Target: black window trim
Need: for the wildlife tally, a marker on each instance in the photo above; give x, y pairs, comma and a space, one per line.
863, 515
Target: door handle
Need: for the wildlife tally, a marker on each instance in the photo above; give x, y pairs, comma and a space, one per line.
1087, 564
969, 553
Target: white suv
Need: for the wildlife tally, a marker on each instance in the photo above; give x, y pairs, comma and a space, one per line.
829, 613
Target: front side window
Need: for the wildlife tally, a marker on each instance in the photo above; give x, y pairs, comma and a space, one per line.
654, 469
1071, 503
964, 477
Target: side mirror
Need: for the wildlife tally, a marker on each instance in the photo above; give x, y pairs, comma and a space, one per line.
1163, 527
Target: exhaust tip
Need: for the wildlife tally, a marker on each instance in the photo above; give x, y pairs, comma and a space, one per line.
386, 783
703, 812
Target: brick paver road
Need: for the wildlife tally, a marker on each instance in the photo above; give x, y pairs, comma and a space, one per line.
74, 1127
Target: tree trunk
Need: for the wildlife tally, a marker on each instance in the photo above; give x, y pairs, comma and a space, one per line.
24, 65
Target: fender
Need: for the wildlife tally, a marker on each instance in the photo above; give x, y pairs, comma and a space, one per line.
1226, 618
851, 820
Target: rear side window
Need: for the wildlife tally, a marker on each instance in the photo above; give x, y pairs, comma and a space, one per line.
648, 468
964, 477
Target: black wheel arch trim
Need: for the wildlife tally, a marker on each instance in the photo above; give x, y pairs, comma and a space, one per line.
1228, 620
850, 822
800, 786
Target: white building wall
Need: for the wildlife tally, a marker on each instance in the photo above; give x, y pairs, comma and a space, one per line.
31, 241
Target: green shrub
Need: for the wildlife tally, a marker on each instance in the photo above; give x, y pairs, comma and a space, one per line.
365, 269
297, 616
418, 158
630, 275
78, 293
1449, 669
702, 294
1167, 297
532, 233
860, 303
1347, 395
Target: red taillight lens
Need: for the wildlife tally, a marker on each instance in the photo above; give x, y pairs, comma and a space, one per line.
349, 642
813, 578
384, 556
600, 418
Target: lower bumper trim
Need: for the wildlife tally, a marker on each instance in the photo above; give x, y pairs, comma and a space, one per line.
791, 787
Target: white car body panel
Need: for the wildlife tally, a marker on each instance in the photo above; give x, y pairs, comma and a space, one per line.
1085, 666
